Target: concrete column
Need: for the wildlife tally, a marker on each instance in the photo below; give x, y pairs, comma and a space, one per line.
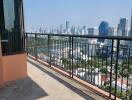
1, 67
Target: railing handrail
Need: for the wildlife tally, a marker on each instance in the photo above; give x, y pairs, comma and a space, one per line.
86, 36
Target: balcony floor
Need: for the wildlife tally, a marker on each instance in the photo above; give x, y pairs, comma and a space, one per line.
45, 84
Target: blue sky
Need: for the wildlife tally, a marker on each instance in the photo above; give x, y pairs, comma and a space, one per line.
47, 13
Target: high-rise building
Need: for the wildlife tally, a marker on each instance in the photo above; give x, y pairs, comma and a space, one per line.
122, 27
93, 31
61, 29
73, 30
67, 26
84, 30
103, 30
130, 32
111, 32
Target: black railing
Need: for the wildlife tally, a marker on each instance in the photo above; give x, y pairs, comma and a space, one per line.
106, 65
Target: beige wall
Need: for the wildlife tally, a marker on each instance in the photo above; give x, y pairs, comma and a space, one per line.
13, 67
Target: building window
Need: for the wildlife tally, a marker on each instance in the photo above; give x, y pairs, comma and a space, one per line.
12, 29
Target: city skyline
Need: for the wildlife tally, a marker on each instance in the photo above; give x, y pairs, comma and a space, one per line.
47, 13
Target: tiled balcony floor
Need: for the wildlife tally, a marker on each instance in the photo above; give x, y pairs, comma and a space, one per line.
45, 84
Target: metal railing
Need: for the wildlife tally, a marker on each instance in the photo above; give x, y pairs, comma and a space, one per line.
106, 65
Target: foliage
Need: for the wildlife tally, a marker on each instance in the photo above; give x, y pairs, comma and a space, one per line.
104, 70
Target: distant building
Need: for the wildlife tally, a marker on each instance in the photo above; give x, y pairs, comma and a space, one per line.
103, 30
84, 30
73, 30
111, 31
67, 26
122, 27
130, 32
61, 29
91, 31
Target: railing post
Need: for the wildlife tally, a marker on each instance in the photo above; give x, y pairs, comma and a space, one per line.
116, 66
72, 57
129, 51
49, 51
26, 42
36, 54
69, 55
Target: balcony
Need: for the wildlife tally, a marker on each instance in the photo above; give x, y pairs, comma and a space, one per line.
43, 83
102, 67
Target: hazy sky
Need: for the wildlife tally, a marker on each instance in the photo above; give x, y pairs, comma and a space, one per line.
47, 13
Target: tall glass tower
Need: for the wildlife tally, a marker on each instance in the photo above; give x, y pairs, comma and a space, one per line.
122, 27
103, 30
67, 26
130, 33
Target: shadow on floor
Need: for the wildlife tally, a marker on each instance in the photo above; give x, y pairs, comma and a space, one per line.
74, 89
25, 89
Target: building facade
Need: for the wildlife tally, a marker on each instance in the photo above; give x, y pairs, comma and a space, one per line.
103, 30
122, 27
12, 58
130, 32
91, 31
67, 26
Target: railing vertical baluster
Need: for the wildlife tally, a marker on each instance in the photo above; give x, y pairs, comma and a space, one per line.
91, 64
72, 56
69, 55
85, 58
98, 66
88, 62
129, 52
95, 64
111, 65
77, 56
35, 46
26, 43
49, 51
116, 67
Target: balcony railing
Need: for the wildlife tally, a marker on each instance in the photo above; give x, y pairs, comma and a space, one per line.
107, 65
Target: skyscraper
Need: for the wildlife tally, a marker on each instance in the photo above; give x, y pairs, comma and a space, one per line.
61, 29
73, 29
67, 26
130, 32
103, 30
122, 27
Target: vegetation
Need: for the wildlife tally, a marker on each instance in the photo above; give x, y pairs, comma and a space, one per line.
104, 70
